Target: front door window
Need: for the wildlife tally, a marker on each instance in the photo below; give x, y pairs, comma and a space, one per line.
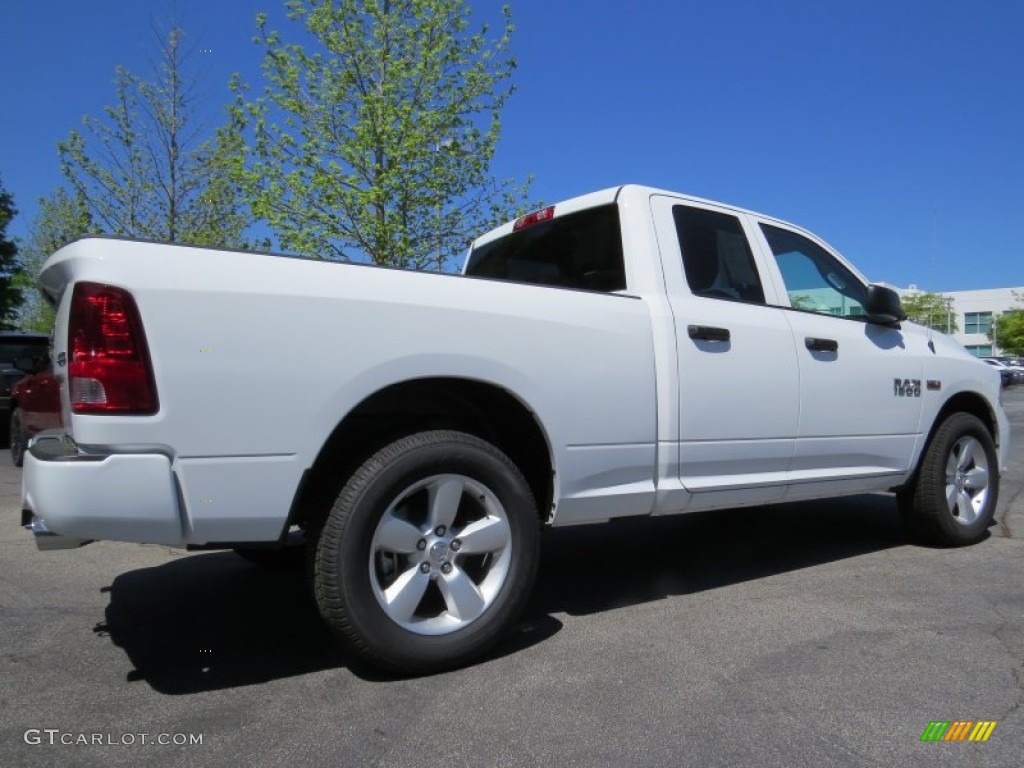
815, 281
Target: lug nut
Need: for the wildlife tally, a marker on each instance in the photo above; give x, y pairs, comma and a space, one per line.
421, 544
446, 568
424, 567
456, 545
439, 530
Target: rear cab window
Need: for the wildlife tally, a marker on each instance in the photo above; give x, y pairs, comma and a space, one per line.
581, 250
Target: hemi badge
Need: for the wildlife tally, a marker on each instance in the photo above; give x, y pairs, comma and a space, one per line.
934, 385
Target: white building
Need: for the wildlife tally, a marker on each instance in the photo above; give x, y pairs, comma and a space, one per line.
972, 312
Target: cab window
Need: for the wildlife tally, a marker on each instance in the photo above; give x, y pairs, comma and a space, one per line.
815, 281
716, 255
580, 250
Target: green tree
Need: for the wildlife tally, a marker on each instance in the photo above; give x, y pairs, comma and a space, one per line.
10, 293
932, 310
150, 170
1007, 332
378, 144
803, 301
62, 217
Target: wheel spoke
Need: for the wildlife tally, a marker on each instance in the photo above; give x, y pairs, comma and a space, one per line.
395, 535
403, 597
951, 495
487, 535
965, 455
964, 507
445, 496
461, 595
951, 467
976, 479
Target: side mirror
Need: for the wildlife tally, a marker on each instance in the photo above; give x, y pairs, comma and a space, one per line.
883, 306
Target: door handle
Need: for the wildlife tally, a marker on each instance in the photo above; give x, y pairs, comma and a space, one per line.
821, 345
707, 333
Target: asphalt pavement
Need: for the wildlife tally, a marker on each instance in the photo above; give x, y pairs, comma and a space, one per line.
811, 634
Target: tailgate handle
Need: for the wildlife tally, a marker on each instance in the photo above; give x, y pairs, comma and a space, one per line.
821, 345
707, 333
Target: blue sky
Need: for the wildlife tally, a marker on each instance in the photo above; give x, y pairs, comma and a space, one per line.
893, 129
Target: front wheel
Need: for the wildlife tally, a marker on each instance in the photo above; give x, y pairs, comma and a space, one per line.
429, 552
953, 498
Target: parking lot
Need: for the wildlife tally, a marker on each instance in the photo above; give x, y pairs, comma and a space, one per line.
808, 634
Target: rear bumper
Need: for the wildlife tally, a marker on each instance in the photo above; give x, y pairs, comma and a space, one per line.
45, 538
70, 497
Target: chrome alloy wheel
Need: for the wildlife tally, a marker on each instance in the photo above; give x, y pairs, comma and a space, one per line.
440, 554
967, 480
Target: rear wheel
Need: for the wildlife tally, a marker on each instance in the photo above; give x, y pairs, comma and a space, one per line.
17, 434
428, 553
953, 498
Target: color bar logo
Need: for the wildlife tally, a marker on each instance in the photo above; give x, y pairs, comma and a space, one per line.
958, 730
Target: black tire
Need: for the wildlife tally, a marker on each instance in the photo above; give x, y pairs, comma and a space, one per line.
17, 436
380, 535
953, 497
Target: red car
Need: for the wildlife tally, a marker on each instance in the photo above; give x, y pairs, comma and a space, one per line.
35, 406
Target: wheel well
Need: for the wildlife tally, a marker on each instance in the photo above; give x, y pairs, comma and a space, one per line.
972, 403
962, 402
483, 410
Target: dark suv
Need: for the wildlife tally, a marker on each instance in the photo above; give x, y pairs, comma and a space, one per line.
17, 345
1016, 366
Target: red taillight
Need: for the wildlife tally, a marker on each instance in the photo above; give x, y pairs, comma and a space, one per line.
534, 218
108, 362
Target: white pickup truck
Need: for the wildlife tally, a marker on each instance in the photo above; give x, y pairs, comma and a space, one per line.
628, 352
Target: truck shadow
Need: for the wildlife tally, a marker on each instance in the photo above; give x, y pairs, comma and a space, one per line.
604, 567
212, 621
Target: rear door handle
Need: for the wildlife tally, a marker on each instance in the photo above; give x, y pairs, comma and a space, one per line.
821, 345
707, 333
